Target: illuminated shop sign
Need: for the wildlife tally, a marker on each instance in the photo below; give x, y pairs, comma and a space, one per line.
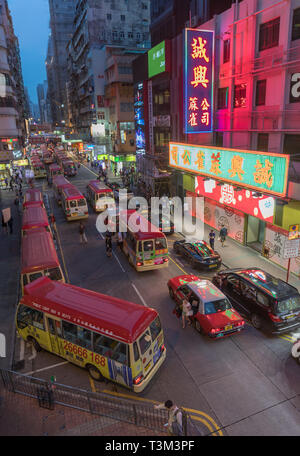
139, 118
198, 80
157, 59
247, 201
260, 171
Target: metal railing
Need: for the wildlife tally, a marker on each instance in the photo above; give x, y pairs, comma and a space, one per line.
100, 404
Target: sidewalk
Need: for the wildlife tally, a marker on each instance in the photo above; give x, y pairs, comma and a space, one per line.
9, 270
21, 416
235, 255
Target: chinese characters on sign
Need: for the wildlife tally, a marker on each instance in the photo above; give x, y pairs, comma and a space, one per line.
198, 80
254, 170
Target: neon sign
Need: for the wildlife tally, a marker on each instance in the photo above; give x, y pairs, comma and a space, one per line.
198, 80
262, 171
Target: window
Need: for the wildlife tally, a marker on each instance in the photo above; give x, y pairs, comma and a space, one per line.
145, 342
296, 25
148, 246
72, 203
130, 35
81, 202
35, 276
24, 316
226, 51
25, 280
122, 17
38, 319
54, 274
263, 142
185, 290
160, 243
261, 92
119, 353
69, 332
103, 345
108, 17
84, 338
269, 34
240, 95
223, 98
289, 305
136, 352
262, 299
155, 328
217, 306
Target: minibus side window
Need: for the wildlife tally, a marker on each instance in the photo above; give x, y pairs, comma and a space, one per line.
104, 345
69, 331
145, 342
120, 353
84, 337
54, 273
38, 319
25, 280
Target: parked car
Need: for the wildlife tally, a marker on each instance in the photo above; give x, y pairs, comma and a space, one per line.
198, 253
213, 314
269, 302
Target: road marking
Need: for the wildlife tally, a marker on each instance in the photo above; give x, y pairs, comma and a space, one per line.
47, 368
177, 264
118, 261
197, 412
139, 294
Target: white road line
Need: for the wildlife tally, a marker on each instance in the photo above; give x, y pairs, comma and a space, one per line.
118, 261
139, 295
46, 368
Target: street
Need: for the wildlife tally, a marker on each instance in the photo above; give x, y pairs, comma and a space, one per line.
246, 384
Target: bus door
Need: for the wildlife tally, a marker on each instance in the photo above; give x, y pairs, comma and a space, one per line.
148, 251
54, 327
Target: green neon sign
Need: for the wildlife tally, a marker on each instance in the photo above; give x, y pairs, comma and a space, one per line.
157, 59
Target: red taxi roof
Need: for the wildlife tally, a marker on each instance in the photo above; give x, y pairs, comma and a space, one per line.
114, 317
38, 251
99, 187
71, 192
146, 231
68, 161
34, 216
33, 196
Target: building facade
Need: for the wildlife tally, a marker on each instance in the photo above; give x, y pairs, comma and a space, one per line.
12, 95
99, 24
61, 25
255, 102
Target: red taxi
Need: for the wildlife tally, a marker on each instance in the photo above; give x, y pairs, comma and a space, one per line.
213, 314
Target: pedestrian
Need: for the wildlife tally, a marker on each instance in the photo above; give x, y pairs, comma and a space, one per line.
176, 424
4, 225
186, 312
6, 182
78, 165
212, 236
120, 241
11, 183
10, 224
83, 238
108, 244
53, 222
223, 234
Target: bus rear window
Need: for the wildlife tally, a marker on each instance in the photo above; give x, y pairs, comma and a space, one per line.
73, 203
155, 328
145, 342
35, 276
81, 202
54, 274
160, 244
148, 246
289, 305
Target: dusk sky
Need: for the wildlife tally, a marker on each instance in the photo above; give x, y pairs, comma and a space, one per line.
31, 25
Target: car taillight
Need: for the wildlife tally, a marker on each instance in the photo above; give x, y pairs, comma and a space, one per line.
240, 323
274, 317
166, 260
139, 264
138, 380
162, 347
86, 212
215, 330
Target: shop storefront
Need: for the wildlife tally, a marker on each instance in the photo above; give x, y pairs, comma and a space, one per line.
247, 208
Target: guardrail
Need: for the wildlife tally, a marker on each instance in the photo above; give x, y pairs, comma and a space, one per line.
100, 404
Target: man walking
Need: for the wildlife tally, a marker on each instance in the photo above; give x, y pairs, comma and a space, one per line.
212, 236
223, 234
175, 423
83, 238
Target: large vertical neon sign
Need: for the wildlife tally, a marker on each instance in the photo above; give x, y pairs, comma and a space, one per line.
198, 80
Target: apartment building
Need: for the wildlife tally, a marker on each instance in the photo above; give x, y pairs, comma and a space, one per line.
100, 24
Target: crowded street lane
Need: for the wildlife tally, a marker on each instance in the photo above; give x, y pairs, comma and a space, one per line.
238, 381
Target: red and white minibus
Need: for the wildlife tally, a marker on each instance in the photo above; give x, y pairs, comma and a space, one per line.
35, 216
54, 170
110, 337
99, 195
39, 257
33, 197
69, 168
59, 182
74, 203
